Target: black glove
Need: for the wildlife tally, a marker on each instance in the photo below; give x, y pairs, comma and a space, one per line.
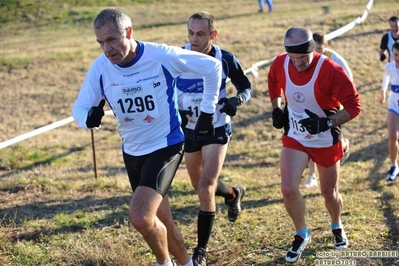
184, 118
230, 105
204, 126
382, 57
278, 118
314, 124
94, 115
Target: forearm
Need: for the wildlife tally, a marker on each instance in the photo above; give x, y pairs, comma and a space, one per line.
340, 118
79, 114
210, 94
276, 102
385, 82
245, 95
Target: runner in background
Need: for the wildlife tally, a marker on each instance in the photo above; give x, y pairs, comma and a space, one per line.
321, 47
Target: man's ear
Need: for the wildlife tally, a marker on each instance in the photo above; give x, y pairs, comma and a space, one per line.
129, 32
326, 44
214, 34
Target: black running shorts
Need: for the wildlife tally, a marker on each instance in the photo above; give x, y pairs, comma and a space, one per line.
193, 144
155, 170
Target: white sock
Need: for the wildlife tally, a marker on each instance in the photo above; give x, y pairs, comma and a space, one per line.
168, 263
189, 263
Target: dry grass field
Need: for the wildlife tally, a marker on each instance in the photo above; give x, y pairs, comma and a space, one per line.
53, 211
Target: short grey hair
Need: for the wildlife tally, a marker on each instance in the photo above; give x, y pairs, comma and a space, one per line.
297, 35
117, 16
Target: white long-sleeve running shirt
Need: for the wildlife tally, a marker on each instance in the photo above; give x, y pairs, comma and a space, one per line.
143, 94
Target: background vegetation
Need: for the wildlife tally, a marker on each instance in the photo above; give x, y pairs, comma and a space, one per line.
54, 212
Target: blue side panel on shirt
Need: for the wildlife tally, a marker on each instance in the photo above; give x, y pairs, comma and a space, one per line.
103, 93
223, 86
175, 132
395, 88
102, 90
190, 85
101, 83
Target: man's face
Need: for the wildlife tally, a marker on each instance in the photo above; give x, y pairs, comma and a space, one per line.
116, 46
394, 27
301, 61
320, 48
199, 35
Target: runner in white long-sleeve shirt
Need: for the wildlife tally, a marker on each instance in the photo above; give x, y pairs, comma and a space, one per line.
391, 75
204, 156
137, 79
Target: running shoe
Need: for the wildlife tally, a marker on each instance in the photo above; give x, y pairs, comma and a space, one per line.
235, 204
311, 181
199, 256
392, 174
340, 239
298, 245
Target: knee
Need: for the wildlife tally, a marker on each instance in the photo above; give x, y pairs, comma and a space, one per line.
140, 222
288, 191
206, 189
330, 194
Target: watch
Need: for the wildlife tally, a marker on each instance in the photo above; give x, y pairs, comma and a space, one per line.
240, 100
329, 123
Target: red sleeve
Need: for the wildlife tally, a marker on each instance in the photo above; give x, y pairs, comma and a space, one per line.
333, 83
336, 84
276, 77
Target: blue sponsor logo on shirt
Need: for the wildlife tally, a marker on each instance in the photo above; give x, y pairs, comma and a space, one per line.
131, 90
145, 79
196, 101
